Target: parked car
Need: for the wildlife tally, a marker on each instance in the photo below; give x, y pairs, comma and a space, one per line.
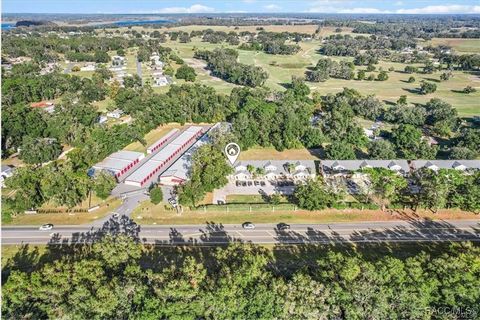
244, 184
248, 225
220, 202
283, 226
115, 215
262, 183
237, 183
250, 183
46, 227
173, 202
256, 183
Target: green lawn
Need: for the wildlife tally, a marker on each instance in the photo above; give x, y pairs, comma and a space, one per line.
151, 137
66, 218
163, 214
459, 45
243, 198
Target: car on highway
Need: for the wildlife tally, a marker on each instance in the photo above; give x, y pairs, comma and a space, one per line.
248, 225
45, 227
115, 215
283, 226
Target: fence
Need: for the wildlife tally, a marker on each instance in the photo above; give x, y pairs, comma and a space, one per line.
73, 210
255, 207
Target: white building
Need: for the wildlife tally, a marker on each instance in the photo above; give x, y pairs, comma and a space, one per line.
159, 161
118, 163
296, 170
116, 114
346, 167
90, 66
7, 171
461, 165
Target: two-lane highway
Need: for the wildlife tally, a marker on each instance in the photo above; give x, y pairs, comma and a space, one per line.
391, 231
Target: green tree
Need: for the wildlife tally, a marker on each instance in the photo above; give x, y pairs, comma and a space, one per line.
427, 87
381, 149
411, 79
314, 195
382, 76
387, 185
186, 72
156, 195
36, 151
469, 89
104, 184
410, 144
339, 150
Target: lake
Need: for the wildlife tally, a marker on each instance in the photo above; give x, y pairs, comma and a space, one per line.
141, 22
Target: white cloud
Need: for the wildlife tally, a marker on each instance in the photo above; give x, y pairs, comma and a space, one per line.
441, 9
272, 7
362, 10
196, 8
337, 6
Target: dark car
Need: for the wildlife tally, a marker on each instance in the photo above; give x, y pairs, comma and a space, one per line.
283, 226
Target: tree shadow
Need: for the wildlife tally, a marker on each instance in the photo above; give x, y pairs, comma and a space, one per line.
432, 79
25, 260
296, 249
413, 90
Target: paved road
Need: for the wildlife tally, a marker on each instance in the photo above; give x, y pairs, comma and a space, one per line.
139, 70
69, 67
393, 231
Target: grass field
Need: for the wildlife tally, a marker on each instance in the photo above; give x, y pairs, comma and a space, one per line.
282, 67
243, 198
147, 213
459, 45
66, 218
270, 153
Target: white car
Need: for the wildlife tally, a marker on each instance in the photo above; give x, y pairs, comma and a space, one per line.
46, 227
248, 225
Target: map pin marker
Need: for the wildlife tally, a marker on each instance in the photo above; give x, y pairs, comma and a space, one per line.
232, 151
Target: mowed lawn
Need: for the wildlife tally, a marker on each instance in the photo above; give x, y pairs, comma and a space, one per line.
163, 214
281, 68
64, 218
272, 154
459, 45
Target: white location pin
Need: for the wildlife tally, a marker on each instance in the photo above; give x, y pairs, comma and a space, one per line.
232, 151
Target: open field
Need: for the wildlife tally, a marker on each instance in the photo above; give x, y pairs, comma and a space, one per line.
241, 198
148, 213
66, 218
458, 44
282, 67
151, 137
272, 154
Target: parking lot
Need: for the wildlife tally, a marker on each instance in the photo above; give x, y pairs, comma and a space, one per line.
253, 187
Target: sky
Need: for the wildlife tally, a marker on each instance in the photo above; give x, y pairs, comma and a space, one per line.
231, 6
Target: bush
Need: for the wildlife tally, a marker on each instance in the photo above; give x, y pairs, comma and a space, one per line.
427, 87
156, 195
411, 80
75, 69
469, 89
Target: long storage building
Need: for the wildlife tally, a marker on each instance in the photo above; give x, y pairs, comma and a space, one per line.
118, 163
162, 141
159, 161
